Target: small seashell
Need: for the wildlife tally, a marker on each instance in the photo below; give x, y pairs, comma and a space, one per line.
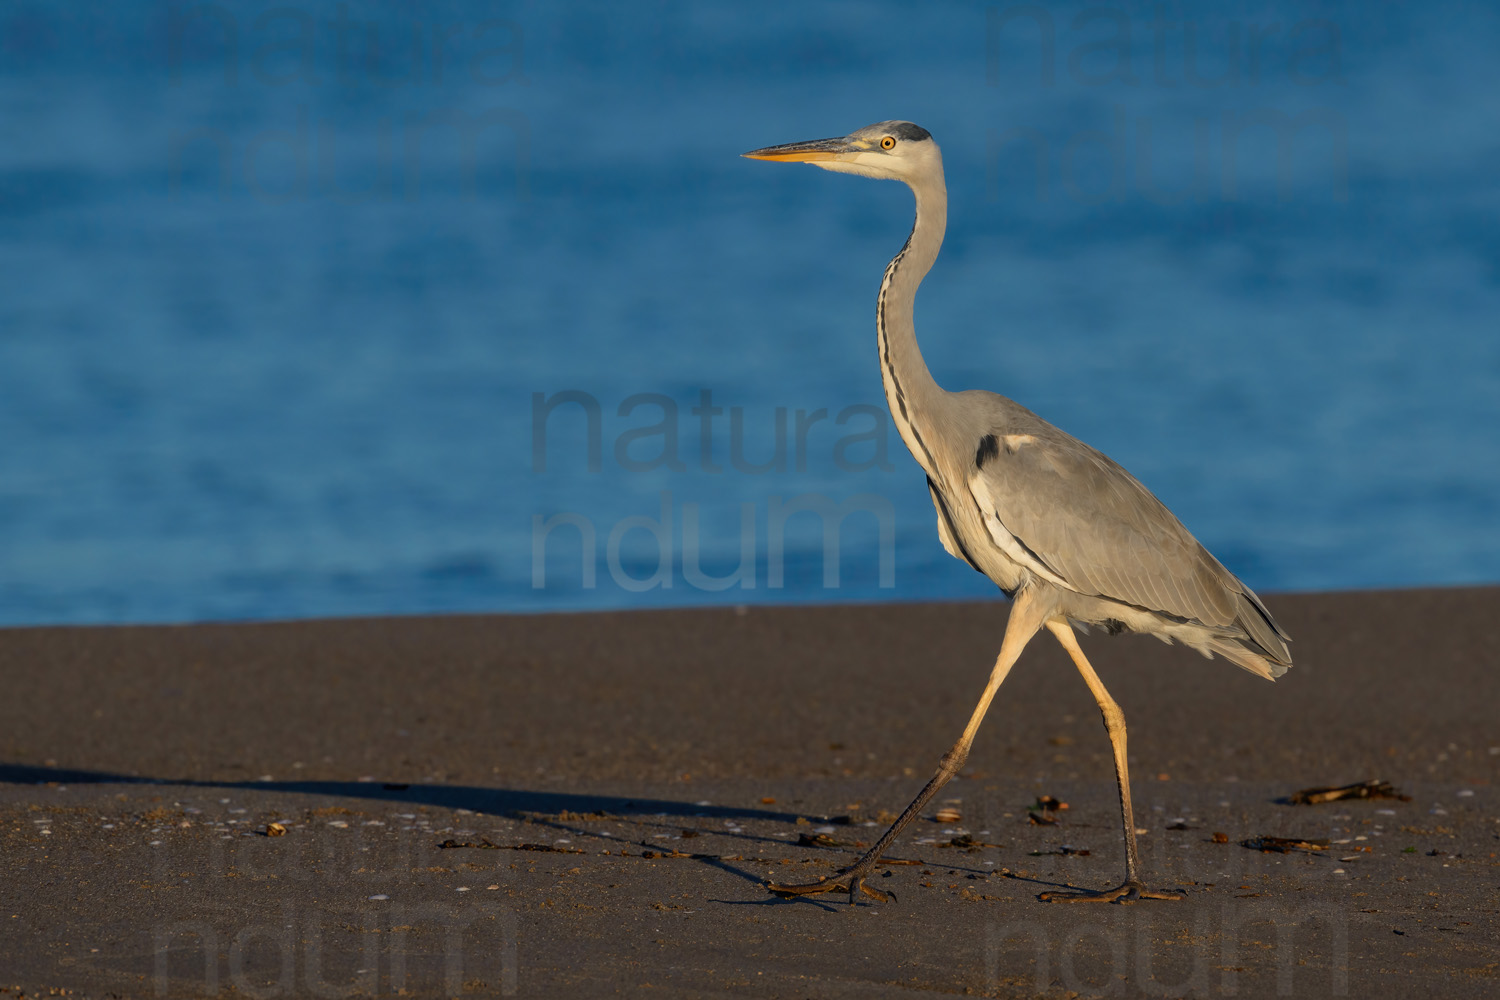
948, 814
275, 830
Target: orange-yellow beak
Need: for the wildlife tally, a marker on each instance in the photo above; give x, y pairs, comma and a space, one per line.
800, 152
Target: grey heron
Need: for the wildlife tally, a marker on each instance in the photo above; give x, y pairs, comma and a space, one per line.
1069, 536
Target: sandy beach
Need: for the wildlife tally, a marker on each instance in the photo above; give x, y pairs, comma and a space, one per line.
578, 805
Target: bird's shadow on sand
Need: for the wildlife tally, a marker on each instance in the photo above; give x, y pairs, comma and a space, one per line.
507, 802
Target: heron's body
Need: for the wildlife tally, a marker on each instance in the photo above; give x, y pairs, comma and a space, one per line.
1033, 507
1064, 531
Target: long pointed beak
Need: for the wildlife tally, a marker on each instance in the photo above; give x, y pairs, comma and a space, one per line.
794, 152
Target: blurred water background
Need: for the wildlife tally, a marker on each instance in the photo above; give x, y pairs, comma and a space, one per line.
280, 286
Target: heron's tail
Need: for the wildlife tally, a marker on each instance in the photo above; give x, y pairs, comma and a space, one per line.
1258, 644
1249, 655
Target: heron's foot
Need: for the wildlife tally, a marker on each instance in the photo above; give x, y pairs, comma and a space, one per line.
851, 881
1130, 892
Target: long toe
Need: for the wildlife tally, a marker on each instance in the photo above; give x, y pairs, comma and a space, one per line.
835, 884
875, 894
1127, 893
850, 882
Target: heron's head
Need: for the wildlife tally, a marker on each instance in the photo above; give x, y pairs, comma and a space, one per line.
897, 151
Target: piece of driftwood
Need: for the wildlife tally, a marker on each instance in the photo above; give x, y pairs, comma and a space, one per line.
1284, 845
1373, 789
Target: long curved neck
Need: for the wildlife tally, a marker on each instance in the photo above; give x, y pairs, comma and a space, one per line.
910, 390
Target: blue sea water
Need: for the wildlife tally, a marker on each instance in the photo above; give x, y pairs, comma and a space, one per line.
289, 295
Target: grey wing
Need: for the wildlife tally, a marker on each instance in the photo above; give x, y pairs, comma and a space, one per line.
1093, 527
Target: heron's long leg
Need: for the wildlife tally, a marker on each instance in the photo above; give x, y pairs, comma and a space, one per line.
1114, 723
1025, 618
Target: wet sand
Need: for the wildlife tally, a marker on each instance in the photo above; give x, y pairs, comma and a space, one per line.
626, 782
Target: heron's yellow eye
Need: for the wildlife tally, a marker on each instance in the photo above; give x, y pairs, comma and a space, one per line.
887, 143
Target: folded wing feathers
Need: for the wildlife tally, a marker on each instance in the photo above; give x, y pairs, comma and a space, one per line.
1106, 535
